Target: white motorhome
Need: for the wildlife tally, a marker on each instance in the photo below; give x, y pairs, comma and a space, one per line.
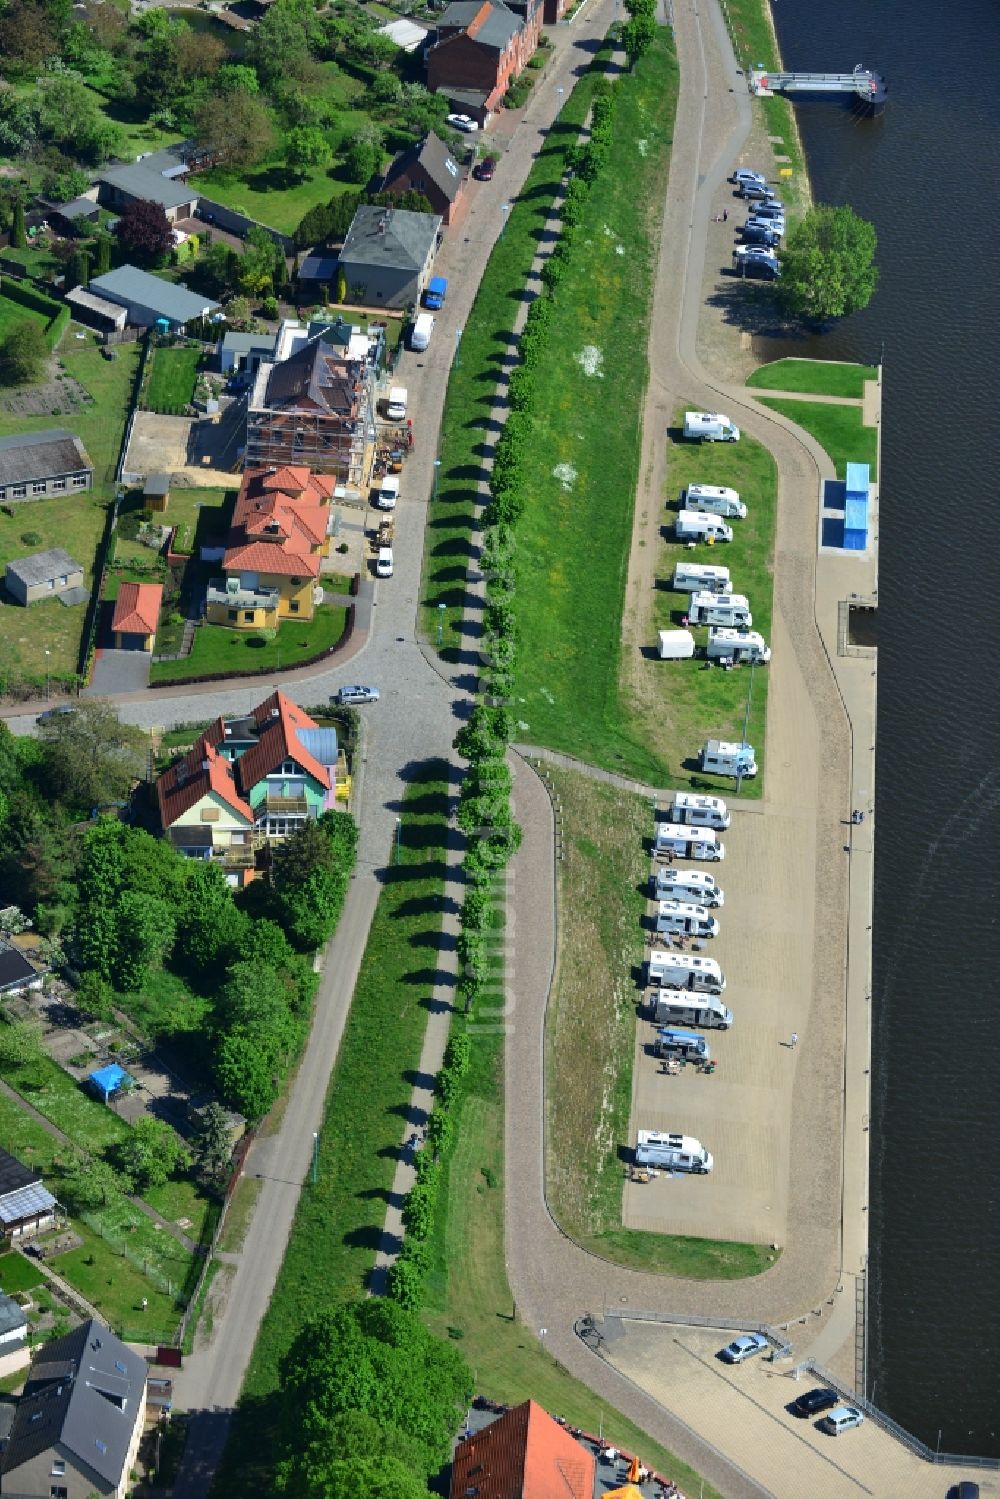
725, 759
688, 843
731, 609
698, 525
683, 970
710, 426
681, 918
737, 645
692, 577
715, 498
698, 811
395, 406
676, 645
420, 335
706, 1010
672, 1152
387, 495
687, 1045
686, 884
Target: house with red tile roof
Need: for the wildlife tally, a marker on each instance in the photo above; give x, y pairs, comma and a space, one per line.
248, 782
274, 550
136, 615
524, 1454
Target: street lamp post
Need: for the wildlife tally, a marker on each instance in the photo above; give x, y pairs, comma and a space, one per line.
505, 210
399, 838
437, 475
47, 655
441, 608
315, 1158
458, 348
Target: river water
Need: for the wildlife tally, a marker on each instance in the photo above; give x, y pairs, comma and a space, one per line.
925, 174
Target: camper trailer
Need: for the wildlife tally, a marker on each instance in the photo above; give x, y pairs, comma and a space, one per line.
676, 645
673, 1007
682, 970
698, 525
688, 1046
717, 499
698, 811
710, 426
681, 918
672, 1152
732, 609
737, 645
687, 843
686, 884
724, 759
695, 577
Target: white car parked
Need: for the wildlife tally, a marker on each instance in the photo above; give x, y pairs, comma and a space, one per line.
463, 122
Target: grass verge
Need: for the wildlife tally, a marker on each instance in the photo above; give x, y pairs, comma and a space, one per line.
819, 377
674, 1254
838, 429
486, 346
582, 470
338, 1223
240, 652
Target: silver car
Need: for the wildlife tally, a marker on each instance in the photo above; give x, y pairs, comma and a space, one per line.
843, 1418
740, 1349
355, 695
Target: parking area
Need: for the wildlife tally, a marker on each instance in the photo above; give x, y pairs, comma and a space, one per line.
743, 1411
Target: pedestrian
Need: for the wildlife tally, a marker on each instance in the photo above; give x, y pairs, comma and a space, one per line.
794, 1040
725, 215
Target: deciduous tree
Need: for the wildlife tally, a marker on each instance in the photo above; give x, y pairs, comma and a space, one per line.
90, 757
149, 1154
306, 146
238, 126
23, 354
145, 930
828, 267
245, 1076
143, 232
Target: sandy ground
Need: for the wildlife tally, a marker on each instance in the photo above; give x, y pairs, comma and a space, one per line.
195, 450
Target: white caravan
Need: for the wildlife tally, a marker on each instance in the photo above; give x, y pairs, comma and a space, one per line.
680, 918
692, 577
698, 525
687, 843
737, 645
725, 759
686, 884
732, 609
676, 645
675, 1008
682, 970
672, 1152
710, 426
698, 811
716, 498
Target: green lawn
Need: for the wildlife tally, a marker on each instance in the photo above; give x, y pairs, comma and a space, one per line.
233, 652
818, 376
582, 470
338, 1222
695, 703
74, 522
838, 429
485, 340
673, 1254
170, 379
194, 511
40, 263
18, 1274
12, 313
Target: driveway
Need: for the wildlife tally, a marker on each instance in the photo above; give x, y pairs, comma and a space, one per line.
119, 671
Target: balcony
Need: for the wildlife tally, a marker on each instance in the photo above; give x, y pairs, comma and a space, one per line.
232, 596
286, 806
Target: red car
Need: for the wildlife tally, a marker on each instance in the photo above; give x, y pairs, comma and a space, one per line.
483, 170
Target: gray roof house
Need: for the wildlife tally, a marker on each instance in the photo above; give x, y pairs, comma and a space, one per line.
244, 351
43, 575
26, 1204
79, 1419
13, 1326
33, 464
144, 180
388, 255
148, 298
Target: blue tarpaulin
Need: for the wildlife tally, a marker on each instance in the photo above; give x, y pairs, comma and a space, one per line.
107, 1081
856, 508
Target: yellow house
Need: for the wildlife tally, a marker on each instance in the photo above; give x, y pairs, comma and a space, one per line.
136, 612
279, 536
203, 813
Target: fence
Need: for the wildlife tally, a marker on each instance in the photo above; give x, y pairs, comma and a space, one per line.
222, 217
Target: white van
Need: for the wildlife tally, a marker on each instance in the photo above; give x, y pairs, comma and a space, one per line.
420, 335
737, 645
395, 406
706, 1010
730, 609
724, 759
682, 970
695, 885
672, 1152
387, 495
710, 426
687, 1045
691, 577
383, 562
715, 498
676, 645
698, 811
680, 918
688, 843
698, 525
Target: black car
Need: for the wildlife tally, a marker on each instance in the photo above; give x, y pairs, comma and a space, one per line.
964, 1490
754, 234
753, 190
814, 1401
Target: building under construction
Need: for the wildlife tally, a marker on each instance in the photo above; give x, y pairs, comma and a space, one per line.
316, 408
